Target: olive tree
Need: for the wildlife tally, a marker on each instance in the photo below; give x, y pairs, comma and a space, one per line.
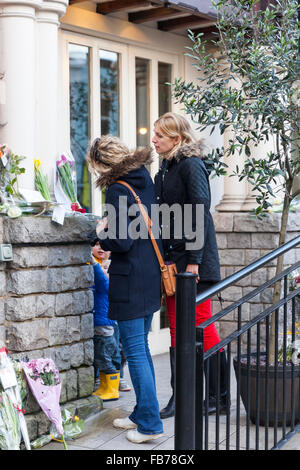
249, 86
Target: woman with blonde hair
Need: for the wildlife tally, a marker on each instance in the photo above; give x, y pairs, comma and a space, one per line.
184, 179
134, 275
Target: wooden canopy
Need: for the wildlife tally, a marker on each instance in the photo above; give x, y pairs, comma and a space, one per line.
170, 15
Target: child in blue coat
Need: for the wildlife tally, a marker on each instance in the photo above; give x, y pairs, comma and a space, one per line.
107, 356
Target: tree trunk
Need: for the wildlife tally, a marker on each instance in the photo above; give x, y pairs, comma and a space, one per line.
279, 268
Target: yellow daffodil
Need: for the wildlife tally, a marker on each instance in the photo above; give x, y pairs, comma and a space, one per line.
37, 163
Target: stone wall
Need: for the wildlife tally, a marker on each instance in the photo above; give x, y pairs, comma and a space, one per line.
46, 303
243, 239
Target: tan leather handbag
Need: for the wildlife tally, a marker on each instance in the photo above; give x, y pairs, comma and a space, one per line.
168, 270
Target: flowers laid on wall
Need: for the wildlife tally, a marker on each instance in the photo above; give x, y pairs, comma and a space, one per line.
41, 181
10, 169
67, 179
14, 202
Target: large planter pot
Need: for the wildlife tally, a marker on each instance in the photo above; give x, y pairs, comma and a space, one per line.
271, 395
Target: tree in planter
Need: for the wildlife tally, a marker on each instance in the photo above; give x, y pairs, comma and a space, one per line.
249, 86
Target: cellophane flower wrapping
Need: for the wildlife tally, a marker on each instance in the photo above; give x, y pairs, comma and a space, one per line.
66, 178
10, 432
43, 379
73, 427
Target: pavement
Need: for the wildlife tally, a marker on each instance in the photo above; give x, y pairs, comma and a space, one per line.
99, 433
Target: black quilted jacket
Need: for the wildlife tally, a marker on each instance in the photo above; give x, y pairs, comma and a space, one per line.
185, 180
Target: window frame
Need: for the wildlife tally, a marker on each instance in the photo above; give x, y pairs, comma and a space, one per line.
127, 93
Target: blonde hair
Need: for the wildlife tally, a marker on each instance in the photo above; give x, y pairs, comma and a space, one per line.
174, 125
105, 152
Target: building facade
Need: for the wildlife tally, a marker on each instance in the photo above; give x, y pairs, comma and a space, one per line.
71, 72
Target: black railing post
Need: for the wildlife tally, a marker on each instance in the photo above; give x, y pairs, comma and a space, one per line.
199, 389
185, 361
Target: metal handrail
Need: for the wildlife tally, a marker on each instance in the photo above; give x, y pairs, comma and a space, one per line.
247, 270
262, 316
249, 296
190, 355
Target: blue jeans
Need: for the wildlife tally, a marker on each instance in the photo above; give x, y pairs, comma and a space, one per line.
134, 337
107, 356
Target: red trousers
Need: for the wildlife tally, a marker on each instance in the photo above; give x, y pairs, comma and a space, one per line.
203, 313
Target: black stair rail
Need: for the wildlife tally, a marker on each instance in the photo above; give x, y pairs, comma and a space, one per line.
192, 423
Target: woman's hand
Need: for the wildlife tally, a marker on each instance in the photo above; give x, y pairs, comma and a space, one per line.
102, 224
194, 269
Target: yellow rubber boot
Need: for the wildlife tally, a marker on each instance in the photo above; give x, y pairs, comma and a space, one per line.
112, 387
102, 387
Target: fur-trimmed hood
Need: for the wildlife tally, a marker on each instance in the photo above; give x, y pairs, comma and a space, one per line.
194, 149
132, 162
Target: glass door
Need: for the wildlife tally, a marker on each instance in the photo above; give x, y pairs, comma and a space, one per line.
117, 89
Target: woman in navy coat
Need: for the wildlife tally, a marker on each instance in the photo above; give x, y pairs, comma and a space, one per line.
134, 272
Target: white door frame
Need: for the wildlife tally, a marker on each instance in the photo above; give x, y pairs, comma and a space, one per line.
159, 339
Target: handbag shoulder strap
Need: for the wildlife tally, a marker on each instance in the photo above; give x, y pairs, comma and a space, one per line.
148, 222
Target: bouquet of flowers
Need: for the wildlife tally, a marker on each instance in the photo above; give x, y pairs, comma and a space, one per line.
12, 391
10, 434
72, 425
294, 280
67, 179
10, 169
43, 379
41, 181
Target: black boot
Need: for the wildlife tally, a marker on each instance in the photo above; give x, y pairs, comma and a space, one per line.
169, 410
212, 387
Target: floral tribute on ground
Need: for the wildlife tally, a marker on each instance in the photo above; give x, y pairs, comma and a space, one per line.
12, 394
43, 379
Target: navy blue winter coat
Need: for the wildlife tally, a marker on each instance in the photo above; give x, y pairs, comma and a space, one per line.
134, 272
185, 180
